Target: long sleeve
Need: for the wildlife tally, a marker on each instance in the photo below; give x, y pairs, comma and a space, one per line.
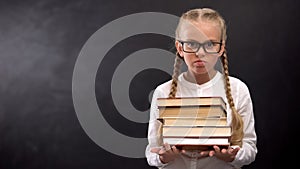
153, 133
248, 152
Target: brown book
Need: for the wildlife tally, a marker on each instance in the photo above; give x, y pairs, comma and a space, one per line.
192, 111
191, 101
200, 147
197, 141
191, 121
196, 131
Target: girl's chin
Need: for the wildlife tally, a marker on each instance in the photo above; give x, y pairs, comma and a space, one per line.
200, 70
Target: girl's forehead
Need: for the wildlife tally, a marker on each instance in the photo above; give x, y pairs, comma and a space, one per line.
199, 31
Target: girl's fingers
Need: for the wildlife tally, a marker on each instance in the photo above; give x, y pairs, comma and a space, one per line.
217, 149
175, 150
167, 146
155, 150
162, 151
234, 151
204, 153
224, 151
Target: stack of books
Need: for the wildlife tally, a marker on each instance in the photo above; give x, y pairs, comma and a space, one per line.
194, 122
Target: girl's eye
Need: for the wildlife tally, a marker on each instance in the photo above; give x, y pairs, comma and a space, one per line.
209, 45
192, 44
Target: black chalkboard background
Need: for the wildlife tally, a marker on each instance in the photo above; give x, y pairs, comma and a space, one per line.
40, 42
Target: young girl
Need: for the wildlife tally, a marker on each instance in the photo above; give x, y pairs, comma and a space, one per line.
200, 42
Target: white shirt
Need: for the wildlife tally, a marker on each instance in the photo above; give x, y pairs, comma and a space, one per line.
214, 87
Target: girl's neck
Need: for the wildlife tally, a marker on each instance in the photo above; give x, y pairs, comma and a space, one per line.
199, 78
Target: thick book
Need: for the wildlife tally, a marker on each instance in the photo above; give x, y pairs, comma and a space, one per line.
192, 111
196, 131
191, 101
197, 141
200, 147
191, 121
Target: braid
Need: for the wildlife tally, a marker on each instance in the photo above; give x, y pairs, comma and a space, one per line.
237, 121
176, 72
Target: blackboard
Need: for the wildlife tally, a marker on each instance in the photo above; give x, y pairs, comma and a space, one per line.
41, 41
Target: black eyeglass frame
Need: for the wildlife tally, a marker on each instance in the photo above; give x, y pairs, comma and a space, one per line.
201, 45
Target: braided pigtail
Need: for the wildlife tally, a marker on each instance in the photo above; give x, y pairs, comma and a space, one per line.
176, 72
237, 121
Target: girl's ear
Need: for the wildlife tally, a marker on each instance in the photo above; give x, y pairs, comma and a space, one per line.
179, 48
222, 49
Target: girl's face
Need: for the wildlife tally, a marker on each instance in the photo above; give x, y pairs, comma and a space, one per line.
205, 33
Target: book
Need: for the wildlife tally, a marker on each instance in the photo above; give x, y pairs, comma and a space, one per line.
191, 121
196, 141
194, 123
196, 131
191, 101
200, 147
192, 111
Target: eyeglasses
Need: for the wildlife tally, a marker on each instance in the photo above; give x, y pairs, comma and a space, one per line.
209, 47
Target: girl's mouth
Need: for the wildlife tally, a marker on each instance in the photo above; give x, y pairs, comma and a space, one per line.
199, 63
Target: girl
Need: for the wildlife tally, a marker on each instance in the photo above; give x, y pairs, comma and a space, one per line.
200, 42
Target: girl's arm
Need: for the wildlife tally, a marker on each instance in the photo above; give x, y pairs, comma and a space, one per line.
153, 135
248, 151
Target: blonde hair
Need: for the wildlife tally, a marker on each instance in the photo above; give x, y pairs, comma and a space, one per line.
211, 15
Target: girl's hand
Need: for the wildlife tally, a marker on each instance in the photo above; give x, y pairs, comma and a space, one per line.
227, 155
166, 153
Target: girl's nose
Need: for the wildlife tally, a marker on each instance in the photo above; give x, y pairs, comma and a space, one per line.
200, 52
